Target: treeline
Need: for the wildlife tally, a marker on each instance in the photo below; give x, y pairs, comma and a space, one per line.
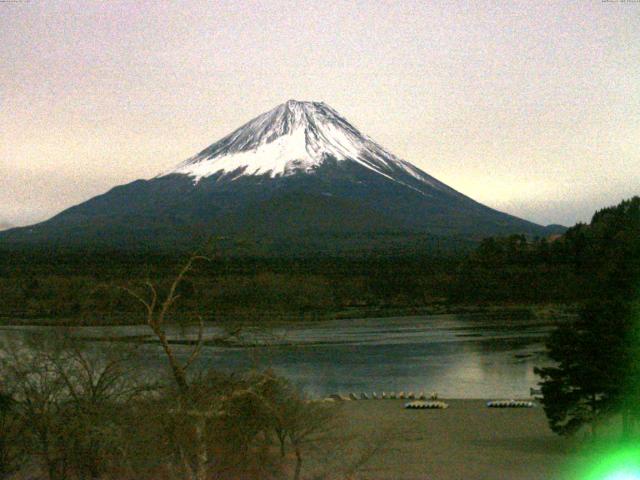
85, 284
597, 357
575, 266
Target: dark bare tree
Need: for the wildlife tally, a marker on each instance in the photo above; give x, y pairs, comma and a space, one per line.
156, 310
67, 396
11, 431
189, 407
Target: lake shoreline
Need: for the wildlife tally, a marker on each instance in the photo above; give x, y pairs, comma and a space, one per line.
458, 355
541, 310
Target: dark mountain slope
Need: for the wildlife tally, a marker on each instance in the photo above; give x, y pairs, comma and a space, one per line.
298, 170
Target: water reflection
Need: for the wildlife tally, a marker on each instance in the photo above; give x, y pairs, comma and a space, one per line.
462, 356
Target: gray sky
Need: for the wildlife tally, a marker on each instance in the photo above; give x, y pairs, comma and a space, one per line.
531, 107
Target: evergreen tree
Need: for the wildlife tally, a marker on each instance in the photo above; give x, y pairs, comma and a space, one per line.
594, 359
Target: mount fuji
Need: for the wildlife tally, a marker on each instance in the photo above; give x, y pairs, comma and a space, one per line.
299, 171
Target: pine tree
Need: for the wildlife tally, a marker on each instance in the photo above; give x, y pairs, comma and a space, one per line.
594, 359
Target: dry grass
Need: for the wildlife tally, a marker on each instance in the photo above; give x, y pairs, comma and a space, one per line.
465, 441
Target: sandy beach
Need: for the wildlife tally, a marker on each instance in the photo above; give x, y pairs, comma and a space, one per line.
465, 441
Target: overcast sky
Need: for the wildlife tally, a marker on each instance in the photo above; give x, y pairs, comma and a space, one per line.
531, 107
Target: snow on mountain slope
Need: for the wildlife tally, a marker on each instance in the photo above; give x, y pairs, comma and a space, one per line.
299, 174
296, 137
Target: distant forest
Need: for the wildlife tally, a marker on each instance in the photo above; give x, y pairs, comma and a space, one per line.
83, 286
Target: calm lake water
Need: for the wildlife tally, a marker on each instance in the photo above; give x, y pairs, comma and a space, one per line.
458, 356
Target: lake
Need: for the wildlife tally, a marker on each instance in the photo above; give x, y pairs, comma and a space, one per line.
457, 356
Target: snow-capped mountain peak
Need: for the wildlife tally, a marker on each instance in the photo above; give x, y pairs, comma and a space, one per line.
294, 137
299, 174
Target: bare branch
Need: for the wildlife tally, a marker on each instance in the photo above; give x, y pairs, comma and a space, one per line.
154, 294
196, 350
171, 296
146, 304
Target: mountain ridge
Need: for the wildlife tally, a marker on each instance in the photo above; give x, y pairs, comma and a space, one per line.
298, 169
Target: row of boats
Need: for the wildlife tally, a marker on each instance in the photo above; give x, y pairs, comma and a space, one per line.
383, 396
510, 404
419, 404
420, 401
